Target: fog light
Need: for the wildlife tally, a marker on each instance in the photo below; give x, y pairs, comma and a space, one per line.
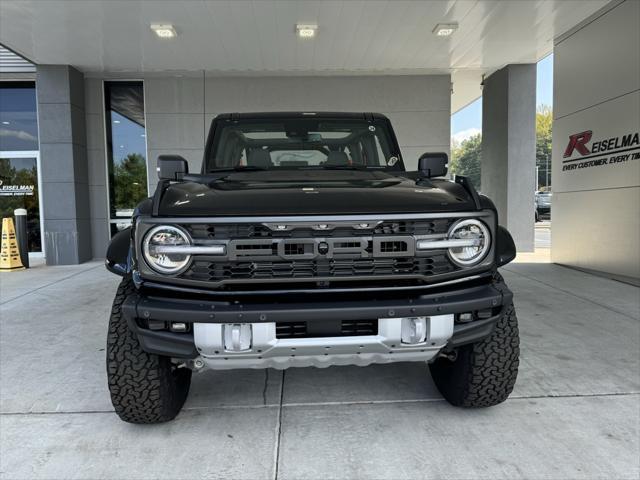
178, 327
237, 337
465, 317
414, 330
156, 325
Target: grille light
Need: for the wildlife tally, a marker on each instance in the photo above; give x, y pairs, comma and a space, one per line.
162, 249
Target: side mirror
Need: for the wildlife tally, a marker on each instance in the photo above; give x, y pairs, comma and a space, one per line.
172, 167
433, 164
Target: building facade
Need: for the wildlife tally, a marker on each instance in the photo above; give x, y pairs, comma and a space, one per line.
596, 144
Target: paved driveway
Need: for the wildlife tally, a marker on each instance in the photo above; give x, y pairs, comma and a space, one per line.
575, 411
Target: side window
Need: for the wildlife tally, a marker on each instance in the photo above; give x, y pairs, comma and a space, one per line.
243, 158
372, 151
347, 151
369, 155
382, 158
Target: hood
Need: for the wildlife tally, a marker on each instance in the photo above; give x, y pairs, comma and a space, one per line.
312, 192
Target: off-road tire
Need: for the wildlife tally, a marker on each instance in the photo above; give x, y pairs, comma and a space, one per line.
145, 388
483, 373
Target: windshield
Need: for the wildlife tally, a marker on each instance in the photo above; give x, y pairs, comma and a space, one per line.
301, 143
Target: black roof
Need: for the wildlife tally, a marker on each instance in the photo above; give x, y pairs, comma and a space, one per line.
305, 114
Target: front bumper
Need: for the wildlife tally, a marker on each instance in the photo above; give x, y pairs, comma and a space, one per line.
206, 319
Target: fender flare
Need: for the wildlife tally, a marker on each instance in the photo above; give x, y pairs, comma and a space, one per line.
118, 258
506, 248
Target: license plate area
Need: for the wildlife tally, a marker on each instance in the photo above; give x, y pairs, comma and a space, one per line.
327, 328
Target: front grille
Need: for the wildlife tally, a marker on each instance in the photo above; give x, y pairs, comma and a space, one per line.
204, 270
328, 328
305, 253
222, 231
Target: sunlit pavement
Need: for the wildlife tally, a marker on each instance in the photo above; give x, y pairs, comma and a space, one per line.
543, 234
575, 411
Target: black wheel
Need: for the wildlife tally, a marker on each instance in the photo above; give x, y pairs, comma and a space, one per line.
482, 374
145, 388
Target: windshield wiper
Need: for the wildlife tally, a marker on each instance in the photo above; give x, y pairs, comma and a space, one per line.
239, 168
344, 167
219, 174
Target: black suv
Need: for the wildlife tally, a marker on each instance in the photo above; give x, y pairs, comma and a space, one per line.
305, 242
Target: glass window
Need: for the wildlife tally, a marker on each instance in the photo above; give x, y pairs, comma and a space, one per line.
19, 189
126, 150
18, 116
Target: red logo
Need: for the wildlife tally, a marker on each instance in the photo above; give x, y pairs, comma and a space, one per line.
577, 142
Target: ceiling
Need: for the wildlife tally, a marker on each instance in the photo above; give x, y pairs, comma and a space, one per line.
257, 37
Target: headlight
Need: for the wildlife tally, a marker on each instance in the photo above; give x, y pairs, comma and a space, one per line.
474, 240
159, 251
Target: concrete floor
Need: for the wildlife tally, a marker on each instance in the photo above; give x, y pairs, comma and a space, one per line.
575, 411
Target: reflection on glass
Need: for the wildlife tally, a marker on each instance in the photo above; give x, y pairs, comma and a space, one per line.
126, 150
18, 116
19, 189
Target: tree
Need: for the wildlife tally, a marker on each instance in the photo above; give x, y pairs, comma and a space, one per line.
130, 182
544, 122
466, 159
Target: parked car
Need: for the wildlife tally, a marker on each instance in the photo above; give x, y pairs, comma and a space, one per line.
543, 204
303, 241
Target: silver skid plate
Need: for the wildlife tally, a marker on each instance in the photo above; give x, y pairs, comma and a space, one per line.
254, 345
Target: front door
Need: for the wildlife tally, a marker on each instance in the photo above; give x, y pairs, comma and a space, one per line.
19, 189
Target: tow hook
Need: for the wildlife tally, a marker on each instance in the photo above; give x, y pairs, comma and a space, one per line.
451, 355
198, 363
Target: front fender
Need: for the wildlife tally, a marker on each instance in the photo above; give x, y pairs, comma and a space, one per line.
119, 253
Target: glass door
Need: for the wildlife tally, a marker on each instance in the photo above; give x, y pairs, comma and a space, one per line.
19, 189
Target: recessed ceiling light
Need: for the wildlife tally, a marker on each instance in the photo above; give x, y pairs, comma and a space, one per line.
164, 30
306, 30
445, 29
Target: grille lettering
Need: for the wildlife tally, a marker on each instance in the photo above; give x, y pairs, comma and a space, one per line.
311, 248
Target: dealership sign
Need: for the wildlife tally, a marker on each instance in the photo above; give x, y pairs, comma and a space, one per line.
15, 190
599, 152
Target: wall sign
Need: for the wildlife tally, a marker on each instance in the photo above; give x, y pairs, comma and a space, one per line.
599, 152
599, 147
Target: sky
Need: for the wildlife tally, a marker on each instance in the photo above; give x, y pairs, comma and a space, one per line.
468, 122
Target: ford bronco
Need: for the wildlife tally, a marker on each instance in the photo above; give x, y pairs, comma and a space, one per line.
305, 242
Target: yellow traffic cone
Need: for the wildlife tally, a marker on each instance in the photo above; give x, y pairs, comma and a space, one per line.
9, 254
